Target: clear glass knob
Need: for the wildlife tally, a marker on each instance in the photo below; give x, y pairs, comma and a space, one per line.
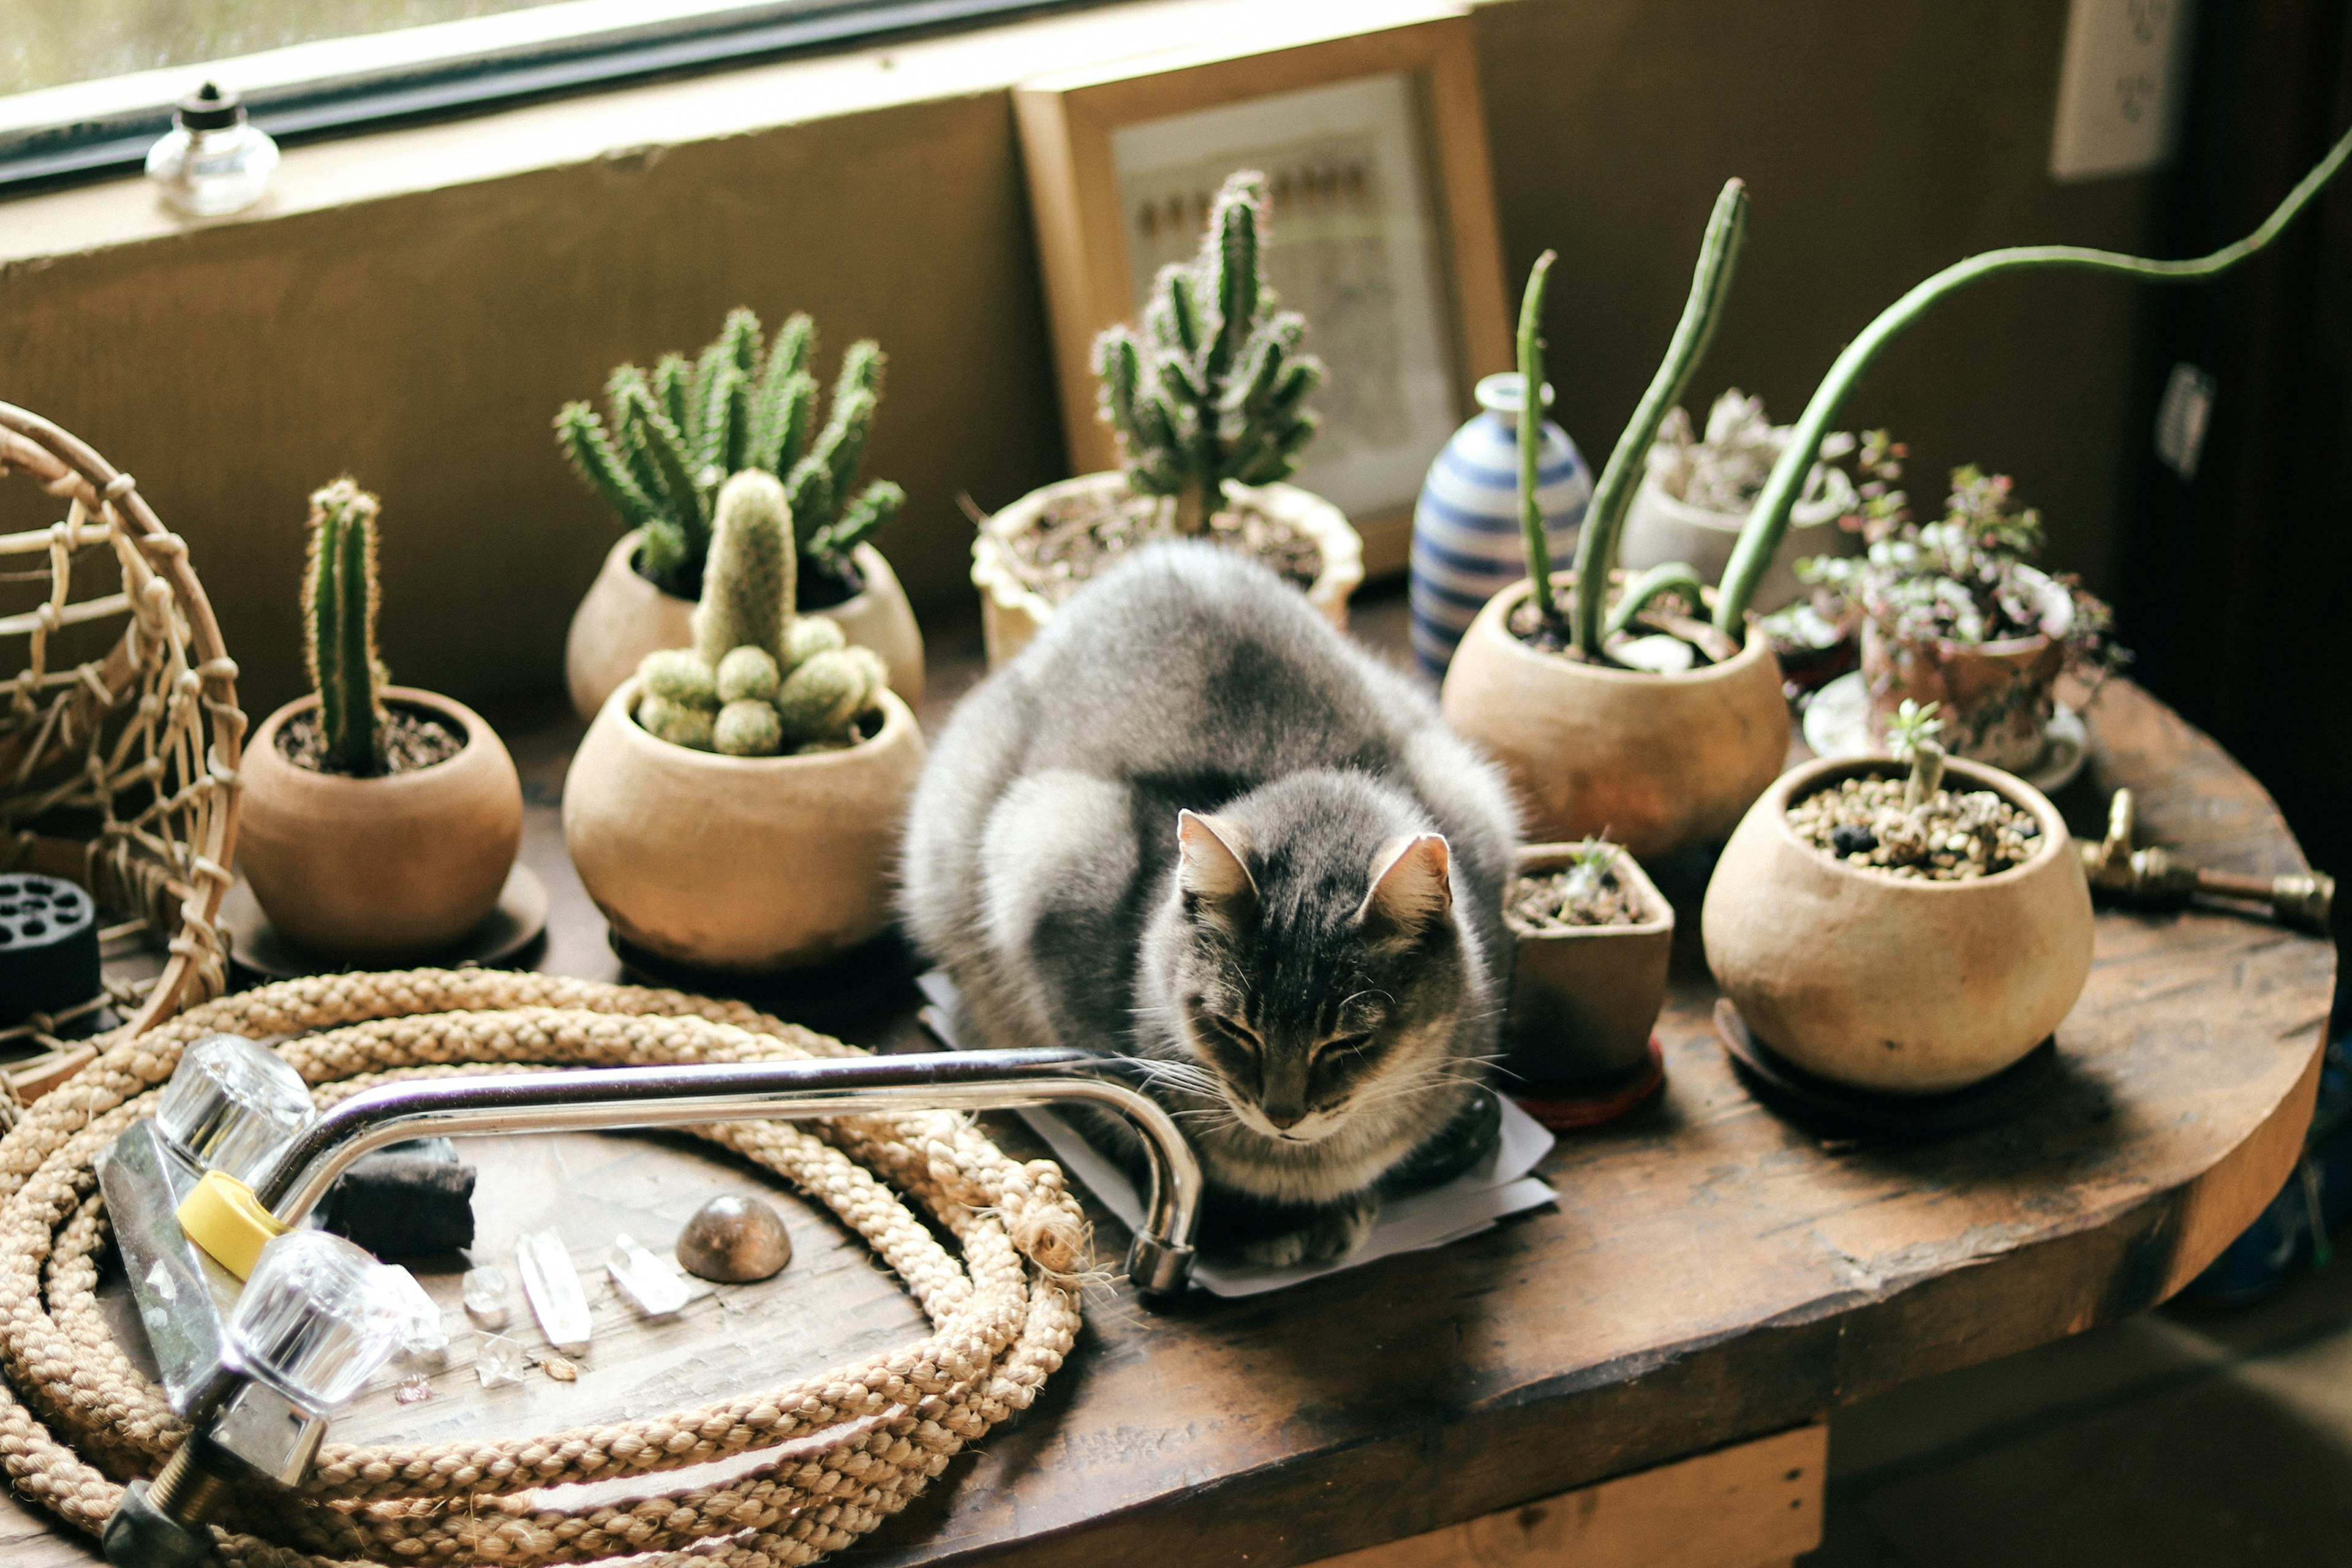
318, 1317
212, 162
232, 1106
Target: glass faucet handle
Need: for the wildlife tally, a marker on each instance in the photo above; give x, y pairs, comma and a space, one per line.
232, 1106
319, 1316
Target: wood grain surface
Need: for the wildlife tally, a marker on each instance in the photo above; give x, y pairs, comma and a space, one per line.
1711, 1273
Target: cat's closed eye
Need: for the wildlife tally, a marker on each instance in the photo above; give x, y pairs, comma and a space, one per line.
1342, 1045
1236, 1033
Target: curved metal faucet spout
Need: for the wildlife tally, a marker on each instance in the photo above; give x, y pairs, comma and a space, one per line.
1158, 1262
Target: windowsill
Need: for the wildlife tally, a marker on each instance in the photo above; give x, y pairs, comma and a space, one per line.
641, 123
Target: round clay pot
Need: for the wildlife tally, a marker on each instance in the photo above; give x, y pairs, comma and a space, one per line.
624, 617
1656, 763
1660, 528
1893, 984
384, 868
749, 864
1996, 697
1010, 614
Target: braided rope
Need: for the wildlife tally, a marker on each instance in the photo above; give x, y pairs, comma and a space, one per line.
848, 1447
116, 771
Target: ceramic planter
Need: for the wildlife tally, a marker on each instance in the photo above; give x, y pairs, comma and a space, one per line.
1656, 763
1010, 614
747, 864
624, 617
379, 870
1585, 998
1996, 697
1660, 528
1466, 544
1892, 985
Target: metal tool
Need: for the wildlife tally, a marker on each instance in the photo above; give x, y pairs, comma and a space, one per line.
2157, 876
256, 1424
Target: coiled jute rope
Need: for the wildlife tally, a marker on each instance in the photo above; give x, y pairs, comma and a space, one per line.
846, 1449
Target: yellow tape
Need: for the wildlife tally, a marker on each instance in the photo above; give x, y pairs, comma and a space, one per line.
223, 1217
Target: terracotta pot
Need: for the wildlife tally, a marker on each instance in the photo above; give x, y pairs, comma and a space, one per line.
750, 864
1887, 984
1660, 528
1584, 999
1996, 697
1656, 763
384, 869
624, 617
1010, 614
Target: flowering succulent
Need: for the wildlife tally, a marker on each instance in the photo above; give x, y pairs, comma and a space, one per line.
1911, 738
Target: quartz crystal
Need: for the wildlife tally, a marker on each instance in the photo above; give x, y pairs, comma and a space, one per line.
651, 1285
413, 1390
485, 1295
422, 1332
552, 1286
499, 1359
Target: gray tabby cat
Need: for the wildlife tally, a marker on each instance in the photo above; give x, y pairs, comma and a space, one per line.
1193, 823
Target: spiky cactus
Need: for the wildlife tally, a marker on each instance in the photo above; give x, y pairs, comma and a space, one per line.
676, 434
339, 605
1214, 387
759, 679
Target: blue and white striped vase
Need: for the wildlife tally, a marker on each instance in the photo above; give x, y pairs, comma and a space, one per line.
1466, 531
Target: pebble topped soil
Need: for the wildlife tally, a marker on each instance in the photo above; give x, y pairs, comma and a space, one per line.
409, 740
1077, 539
1545, 901
1947, 837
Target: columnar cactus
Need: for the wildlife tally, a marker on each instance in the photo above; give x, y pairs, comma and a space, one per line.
759, 679
676, 434
1215, 385
1911, 739
339, 605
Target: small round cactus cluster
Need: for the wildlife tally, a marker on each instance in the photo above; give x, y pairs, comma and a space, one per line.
760, 681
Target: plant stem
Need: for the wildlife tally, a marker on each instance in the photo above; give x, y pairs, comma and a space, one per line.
1768, 522
1531, 380
1604, 520
1667, 578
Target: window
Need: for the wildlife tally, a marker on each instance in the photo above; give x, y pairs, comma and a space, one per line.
85, 86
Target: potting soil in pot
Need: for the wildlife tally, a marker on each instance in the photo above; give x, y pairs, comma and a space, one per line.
1947, 837
409, 740
1076, 540
1568, 899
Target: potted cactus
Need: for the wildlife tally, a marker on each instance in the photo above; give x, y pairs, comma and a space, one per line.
658, 460
735, 805
1904, 924
1697, 487
1953, 613
1608, 711
1593, 936
1209, 399
380, 822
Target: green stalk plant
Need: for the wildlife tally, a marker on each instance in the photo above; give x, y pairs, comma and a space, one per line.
1594, 618
340, 596
1214, 387
675, 435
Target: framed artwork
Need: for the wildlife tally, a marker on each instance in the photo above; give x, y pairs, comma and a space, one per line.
1382, 231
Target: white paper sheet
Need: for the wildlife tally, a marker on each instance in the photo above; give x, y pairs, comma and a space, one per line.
1471, 1202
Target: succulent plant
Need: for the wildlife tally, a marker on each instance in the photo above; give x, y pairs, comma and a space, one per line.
1911, 738
1722, 469
676, 434
1214, 386
338, 603
1594, 618
759, 679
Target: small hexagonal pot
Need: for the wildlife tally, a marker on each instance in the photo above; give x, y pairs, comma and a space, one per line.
1584, 999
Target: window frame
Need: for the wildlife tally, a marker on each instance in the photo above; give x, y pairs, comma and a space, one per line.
111, 123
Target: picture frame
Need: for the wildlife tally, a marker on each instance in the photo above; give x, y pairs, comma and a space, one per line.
1382, 228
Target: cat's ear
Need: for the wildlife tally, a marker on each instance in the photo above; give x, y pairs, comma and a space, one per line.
1210, 870
1410, 886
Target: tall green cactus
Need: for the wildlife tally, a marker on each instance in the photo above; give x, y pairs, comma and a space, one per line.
747, 587
339, 605
675, 436
1767, 521
1214, 387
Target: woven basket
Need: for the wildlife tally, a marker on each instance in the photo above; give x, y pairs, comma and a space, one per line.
118, 754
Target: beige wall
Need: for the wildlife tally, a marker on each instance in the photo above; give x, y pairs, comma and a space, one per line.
422, 341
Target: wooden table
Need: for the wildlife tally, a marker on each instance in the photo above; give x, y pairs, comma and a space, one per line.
1662, 1343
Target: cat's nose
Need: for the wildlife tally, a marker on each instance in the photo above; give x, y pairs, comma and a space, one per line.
1285, 1120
